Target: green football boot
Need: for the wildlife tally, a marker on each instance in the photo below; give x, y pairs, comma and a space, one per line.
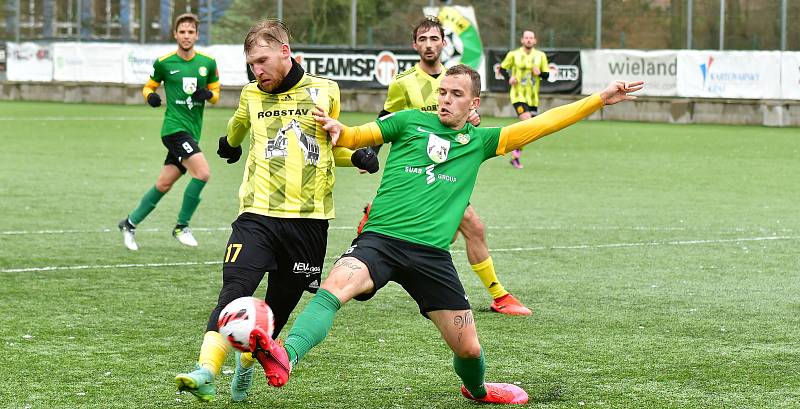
199, 383
242, 380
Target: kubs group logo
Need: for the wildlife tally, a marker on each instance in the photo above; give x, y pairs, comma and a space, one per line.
385, 67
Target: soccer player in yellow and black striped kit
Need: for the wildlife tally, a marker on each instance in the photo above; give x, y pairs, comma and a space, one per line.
524, 69
286, 196
417, 88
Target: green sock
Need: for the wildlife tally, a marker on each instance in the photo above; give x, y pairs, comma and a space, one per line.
471, 371
148, 203
312, 325
191, 199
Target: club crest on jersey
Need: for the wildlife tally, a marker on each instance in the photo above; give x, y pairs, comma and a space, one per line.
437, 148
203, 71
462, 138
189, 84
313, 93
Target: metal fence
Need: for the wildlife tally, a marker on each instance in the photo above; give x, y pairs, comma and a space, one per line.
639, 24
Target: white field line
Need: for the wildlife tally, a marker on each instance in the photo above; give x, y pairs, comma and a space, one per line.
106, 230
507, 250
80, 118
512, 227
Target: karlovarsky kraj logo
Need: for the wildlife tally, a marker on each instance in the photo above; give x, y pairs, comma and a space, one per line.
705, 68
719, 79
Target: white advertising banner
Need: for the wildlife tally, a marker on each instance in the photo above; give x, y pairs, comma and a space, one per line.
658, 69
29, 62
790, 75
230, 63
729, 74
137, 61
87, 62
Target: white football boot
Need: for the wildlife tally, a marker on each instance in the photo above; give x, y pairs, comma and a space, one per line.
184, 236
128, 232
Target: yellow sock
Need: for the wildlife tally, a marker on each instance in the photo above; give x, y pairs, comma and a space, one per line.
246, 358
485, 271
213, 351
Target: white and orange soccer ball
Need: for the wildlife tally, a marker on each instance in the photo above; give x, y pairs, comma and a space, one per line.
240, 317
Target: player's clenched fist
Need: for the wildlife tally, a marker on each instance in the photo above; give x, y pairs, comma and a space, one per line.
226, 151
154, 100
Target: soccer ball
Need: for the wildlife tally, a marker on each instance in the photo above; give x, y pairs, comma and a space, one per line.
240, 316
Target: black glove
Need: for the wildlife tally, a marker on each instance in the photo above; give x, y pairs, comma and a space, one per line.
154, 100
226, 151
202, 94
366, 159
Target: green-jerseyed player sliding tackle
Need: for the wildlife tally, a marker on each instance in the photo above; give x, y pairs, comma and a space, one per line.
190, 79
428, 178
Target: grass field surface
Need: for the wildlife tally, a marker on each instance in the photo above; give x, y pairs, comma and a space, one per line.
661, 262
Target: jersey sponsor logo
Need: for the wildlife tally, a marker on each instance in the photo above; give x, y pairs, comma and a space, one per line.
278, 147
437, 148
385, 67
189, 84
301, 267
430, 108
188, 102
430, 175
313, 93
281, 112
203, 71
314, 284
174, 72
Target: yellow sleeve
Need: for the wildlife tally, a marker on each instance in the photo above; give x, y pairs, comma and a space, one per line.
508, 62
524, 132
395, 97
360, 136
214, 87
544, 65
240, 121
149, 88
335, 101
341, 156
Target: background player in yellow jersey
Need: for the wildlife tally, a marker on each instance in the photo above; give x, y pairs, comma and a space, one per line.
190, 78
524, 68
418, 87
286, 196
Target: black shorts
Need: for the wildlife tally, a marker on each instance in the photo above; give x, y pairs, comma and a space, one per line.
521, 107
291, 250
180, 145
426, 273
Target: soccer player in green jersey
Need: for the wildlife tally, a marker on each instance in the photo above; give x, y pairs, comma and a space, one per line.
190, 79
428, 179
524, 69
285, 200
417, 88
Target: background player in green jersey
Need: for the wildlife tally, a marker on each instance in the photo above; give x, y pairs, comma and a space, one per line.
428, 179
286, 196
524, 69
190, 79
417, 88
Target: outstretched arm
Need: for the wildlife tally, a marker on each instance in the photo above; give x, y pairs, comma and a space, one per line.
522, 133
355, 137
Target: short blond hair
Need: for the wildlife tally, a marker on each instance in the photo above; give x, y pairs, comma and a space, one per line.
474, 77
272, 31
